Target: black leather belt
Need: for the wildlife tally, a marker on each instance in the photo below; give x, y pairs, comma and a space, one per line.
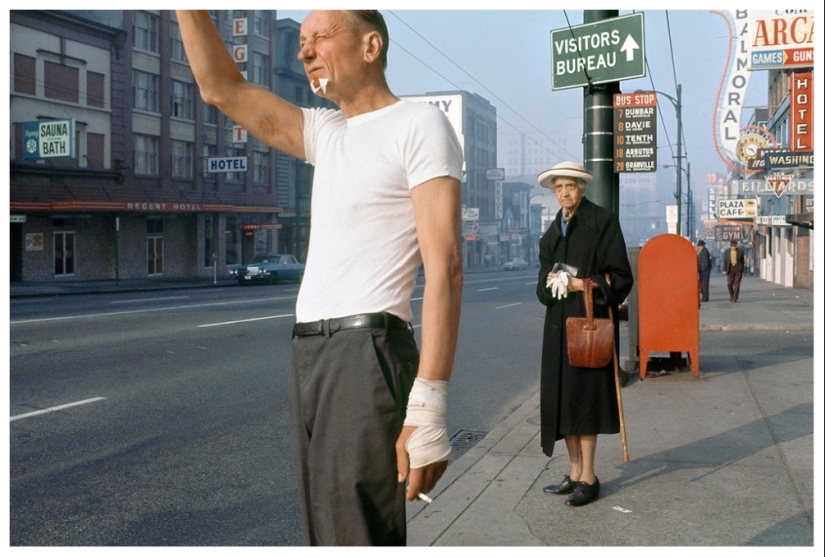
327, 327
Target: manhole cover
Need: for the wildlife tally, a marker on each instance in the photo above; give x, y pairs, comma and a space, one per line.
464, 439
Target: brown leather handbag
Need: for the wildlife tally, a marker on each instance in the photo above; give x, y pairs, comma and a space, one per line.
589, 340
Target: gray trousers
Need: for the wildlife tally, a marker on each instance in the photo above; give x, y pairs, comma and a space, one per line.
348, 396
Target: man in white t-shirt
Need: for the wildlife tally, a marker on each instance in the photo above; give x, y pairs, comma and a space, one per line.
367, 409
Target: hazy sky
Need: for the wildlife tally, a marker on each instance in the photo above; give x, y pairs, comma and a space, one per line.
504, 56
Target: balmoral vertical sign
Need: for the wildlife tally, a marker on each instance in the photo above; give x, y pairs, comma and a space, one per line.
49, 139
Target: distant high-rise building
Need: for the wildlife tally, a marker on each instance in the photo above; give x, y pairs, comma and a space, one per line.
474, 120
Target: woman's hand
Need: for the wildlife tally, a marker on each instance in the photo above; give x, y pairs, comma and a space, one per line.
575, 285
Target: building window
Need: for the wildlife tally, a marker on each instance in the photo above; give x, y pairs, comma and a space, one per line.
260, 69
182, 100
63, 254
260, 167
178, 52
182, 159
24, 80
95, 150
145, 91
260, 23
145, 31
209, 151
62, 82
210, 114
146, 154
95, 89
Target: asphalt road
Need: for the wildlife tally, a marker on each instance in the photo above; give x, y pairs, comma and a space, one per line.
165, 416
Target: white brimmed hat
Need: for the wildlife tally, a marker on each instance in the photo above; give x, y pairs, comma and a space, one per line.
568, 169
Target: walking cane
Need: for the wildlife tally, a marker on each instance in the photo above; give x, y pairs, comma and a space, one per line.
625, 456
618, 380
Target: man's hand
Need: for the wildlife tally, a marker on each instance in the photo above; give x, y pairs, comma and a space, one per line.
422, 480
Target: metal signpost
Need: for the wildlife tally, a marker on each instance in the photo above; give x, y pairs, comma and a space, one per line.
607, 50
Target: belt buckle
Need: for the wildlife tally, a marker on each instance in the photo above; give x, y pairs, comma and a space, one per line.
329, 326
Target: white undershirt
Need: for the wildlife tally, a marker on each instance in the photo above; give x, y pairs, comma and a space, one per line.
363, 250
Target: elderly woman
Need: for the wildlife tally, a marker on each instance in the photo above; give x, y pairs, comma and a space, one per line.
577, 404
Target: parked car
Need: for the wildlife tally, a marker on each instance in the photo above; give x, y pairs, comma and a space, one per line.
269, 269
515, 265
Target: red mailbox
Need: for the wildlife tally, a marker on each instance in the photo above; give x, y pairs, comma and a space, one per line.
668, 299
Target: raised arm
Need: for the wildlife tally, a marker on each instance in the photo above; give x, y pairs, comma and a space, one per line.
276, 122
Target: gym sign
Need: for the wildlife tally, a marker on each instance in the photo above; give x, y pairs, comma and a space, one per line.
49, 139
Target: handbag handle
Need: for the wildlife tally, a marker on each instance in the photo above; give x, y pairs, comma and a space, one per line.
588, 298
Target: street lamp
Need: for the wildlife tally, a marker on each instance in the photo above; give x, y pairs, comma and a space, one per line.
677, 104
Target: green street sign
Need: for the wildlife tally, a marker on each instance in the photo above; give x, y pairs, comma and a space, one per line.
607, 50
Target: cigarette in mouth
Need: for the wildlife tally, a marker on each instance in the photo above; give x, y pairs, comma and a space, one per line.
319, 84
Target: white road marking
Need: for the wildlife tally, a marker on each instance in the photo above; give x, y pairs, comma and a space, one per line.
509, 305
246, 320
486, 289
149, 300
416, 299
169, 308
56, 408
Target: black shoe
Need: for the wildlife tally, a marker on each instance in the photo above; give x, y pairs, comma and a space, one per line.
566, 486
584, 494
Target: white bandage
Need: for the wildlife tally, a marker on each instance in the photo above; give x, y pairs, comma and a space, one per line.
427, 411
558, 284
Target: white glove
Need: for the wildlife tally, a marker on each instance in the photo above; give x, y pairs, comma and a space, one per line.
558, 284
427, 410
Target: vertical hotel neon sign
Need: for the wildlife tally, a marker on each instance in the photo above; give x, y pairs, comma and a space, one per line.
802, 111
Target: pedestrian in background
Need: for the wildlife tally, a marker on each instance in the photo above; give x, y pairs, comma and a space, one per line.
385, 199
578, 404
733, 265
704, 270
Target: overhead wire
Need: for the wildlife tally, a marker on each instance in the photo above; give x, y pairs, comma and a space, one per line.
504, 103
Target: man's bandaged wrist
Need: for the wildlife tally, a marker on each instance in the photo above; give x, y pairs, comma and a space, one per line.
427, 411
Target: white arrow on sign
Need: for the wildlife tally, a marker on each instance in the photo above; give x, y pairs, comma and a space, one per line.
629, 47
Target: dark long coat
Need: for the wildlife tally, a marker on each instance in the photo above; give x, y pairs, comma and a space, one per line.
580, 401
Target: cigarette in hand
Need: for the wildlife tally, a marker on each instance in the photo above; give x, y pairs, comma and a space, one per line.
424, 498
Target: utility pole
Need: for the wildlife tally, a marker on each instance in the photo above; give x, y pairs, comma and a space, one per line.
679, 158
598, 133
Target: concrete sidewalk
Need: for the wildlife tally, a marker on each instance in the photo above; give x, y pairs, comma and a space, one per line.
725, 459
